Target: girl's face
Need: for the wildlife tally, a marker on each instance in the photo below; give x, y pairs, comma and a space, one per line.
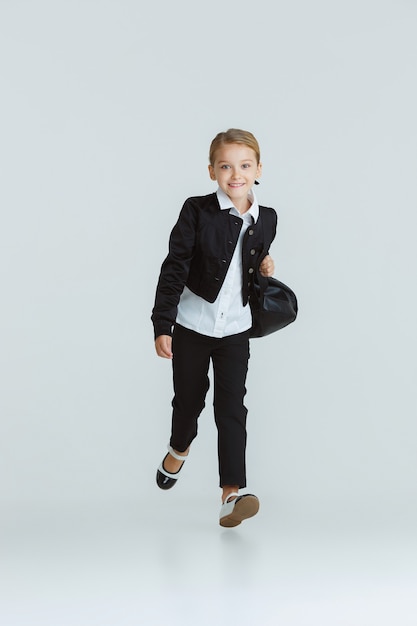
235, 169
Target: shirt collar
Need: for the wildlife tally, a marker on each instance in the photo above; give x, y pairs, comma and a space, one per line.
226, 203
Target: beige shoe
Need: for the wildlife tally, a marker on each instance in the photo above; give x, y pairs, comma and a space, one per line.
233, 512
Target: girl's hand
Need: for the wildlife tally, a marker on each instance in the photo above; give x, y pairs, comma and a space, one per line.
267, 266
163, 345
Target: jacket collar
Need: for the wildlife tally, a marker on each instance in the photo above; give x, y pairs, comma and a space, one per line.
226, 203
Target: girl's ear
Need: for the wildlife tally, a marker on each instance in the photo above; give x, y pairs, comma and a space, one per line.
211, 172
259, 171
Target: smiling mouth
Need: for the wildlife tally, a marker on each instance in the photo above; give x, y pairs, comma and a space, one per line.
236, 184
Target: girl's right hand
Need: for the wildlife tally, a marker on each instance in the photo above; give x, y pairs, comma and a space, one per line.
163, 346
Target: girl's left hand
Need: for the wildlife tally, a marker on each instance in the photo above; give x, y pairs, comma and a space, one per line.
267, 266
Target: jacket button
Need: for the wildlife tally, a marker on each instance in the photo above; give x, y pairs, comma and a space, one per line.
223, 260
250, 270
252, 251
216, 278
251, 232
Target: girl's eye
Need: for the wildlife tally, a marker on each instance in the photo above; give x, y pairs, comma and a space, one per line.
246, 165
225, 167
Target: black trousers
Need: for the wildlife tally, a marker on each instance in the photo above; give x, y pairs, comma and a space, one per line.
229, 355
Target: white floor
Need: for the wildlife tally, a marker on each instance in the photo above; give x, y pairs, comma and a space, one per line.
166, 561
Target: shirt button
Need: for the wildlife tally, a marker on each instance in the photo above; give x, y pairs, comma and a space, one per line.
252, 251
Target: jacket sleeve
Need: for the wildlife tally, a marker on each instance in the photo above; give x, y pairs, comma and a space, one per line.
274, 227
269, 219
175, 270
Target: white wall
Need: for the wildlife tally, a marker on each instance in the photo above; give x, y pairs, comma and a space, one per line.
108, 109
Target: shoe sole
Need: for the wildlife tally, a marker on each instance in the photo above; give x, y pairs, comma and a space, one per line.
246, 507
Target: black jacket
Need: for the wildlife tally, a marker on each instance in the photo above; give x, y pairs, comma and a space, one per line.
201, 247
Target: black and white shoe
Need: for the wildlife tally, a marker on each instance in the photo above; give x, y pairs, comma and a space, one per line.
233, 512
164, 479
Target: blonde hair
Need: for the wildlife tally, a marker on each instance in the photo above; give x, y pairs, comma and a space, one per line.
234, 135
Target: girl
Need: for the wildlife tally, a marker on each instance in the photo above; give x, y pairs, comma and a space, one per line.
202, 312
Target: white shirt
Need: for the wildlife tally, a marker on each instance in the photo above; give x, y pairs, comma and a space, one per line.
226, 315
